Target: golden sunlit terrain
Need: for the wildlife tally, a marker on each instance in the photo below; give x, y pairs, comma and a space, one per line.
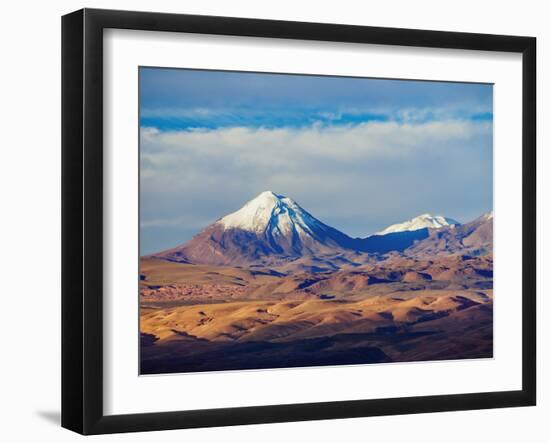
202, 317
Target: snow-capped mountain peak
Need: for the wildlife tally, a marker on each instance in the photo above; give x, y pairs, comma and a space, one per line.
420, 222
267, 229
254, 215
269, 211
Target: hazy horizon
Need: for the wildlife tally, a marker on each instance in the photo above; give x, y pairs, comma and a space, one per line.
358, 154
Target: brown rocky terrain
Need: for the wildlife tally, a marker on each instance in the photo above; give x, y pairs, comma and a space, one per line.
398, 309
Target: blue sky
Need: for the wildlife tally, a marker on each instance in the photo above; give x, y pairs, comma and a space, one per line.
357, 153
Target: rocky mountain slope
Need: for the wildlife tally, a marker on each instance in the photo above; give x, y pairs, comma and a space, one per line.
473, 238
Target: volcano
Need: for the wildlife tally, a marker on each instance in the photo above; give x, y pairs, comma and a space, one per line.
267, 229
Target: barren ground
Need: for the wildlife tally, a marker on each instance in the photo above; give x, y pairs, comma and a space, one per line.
206, 318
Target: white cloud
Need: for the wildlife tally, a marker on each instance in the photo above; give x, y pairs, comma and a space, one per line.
259, 146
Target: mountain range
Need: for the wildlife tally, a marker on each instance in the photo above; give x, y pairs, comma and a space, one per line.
274, 230
270, 285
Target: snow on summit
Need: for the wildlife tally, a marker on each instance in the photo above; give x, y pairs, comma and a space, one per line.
420, 222
268, 211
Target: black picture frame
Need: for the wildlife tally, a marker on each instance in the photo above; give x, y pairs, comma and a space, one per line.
82, 220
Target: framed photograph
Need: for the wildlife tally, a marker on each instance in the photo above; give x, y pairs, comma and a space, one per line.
269, 221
